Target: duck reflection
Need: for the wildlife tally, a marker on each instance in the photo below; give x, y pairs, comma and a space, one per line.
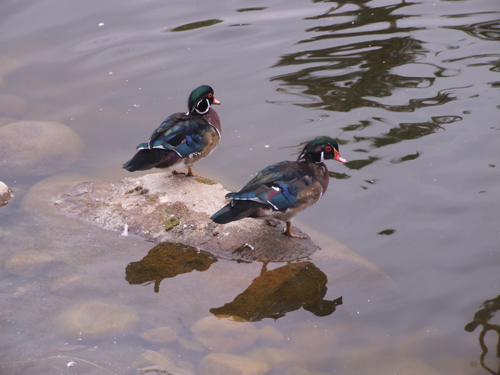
167, 260
483, 318
274, 293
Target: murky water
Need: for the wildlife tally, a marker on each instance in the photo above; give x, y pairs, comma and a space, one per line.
410, 90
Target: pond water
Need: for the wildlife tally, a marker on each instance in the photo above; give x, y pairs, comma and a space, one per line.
408, 88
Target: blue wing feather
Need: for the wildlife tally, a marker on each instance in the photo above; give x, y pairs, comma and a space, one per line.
277, 185
180, 133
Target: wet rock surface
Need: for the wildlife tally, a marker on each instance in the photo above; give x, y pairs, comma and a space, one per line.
93, 319
166, 208
43, 147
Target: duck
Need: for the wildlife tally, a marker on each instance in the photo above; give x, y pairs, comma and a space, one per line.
182, 137
282, 190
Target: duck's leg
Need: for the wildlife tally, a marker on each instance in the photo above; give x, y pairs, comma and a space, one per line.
189, 173
288, 231
273, 223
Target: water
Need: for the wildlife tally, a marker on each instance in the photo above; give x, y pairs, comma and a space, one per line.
410, 90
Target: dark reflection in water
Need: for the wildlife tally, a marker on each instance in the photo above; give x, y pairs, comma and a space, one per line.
483, 318
346, 76
483, 30
274, 293
195, 25
167, 260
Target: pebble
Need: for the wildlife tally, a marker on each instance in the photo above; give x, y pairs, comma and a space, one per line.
5, 194
230, 364
27, 263
93, 319
274, 356
43, 148
159, 336
224, 335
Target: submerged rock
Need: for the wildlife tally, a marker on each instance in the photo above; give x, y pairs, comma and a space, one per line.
224, 335
159, 336
229, 364
37, 147
27, 263
93, 319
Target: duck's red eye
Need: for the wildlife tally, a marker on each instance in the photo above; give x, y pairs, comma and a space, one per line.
210, 95
328, 148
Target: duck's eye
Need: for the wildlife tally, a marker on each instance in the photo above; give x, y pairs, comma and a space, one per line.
210, 95
328, 148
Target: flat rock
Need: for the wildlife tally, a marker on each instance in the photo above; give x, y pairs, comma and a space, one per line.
27, 263
229, 364
224, 335
160, 336
93, 319
37, 147
165, 208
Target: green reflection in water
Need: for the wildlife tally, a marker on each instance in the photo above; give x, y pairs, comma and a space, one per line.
196, 25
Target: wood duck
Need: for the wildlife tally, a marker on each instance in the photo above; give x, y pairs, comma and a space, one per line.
182, 137
280, 191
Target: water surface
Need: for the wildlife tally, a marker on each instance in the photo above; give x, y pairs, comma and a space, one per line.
410, 90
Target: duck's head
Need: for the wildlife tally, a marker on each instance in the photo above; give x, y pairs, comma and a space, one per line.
201, 99
320, 149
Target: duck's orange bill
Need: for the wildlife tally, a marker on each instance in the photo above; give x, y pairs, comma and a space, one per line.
339, 158
216, 101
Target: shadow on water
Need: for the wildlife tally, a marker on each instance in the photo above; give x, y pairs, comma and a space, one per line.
483, 317
270, 295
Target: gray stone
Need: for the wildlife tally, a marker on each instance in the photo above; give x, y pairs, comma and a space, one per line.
274, 356
145, 203
159, 336
229, 364
224, 335
44, 147
27, 263
93, 319
5, 194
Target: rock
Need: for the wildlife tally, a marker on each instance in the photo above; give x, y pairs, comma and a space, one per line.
270, 335
152, 358
27, 263
6, 66
93, 319
157, 363
12, 106
224, 335
43, 148
274, 356
5, 194
229, 364
146, 203
159, 336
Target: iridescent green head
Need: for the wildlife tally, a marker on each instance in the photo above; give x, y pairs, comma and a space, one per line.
201, 99
320, 149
